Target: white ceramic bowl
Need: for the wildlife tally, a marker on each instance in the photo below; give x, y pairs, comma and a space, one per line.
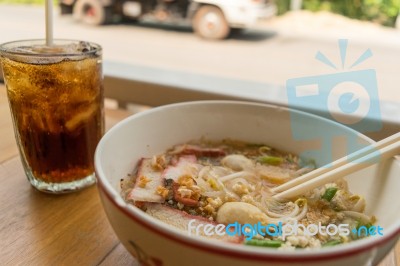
153, 131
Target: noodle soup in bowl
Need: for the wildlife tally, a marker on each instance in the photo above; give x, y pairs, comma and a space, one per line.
156, 242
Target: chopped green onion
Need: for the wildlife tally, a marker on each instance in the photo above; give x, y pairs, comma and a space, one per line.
367, 225
332, 243
329, 193
264, 243
272, 160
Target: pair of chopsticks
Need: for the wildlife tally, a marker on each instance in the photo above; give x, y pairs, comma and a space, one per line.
356, 161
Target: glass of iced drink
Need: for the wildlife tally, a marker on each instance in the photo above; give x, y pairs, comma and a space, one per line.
56, 99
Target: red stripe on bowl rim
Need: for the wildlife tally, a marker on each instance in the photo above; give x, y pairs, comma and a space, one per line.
243, 254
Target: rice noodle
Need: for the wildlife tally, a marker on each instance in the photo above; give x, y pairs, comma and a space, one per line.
358, 216
218, 171
232, 176
203, 171
293, 213
232, 194
228, 192
302, 214
359, 206
262, 208
267, 202
237, 175
203, 184
244, 182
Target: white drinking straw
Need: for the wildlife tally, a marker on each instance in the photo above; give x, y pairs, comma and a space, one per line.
49, 22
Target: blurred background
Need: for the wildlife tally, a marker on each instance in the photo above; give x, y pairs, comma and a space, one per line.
261, 42
383, 12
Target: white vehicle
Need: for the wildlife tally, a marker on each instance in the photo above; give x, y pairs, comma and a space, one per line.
210, 19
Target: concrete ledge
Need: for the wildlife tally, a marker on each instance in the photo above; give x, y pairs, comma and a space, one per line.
154, 86
128, 83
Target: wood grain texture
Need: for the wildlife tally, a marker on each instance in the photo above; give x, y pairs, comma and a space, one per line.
72, 229
43, 229
119, 257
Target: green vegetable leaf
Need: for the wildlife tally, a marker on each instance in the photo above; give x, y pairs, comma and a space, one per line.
367, 225
332, 243
329, 193
271, 160
264, 243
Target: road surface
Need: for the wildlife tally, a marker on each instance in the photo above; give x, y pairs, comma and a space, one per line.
268, 53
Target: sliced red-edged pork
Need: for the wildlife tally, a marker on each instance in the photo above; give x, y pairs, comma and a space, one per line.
147, 182
187, 149
186, 166
182, 221
185, 201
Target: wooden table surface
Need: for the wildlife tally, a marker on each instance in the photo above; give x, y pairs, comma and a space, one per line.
42, 229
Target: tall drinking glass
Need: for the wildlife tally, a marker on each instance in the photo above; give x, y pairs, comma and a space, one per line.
56, 99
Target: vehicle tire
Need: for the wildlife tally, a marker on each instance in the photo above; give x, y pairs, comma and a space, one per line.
236, 31
65, 9
209, 23
92, 12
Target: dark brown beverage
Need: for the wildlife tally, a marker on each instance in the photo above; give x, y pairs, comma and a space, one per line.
57, 110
